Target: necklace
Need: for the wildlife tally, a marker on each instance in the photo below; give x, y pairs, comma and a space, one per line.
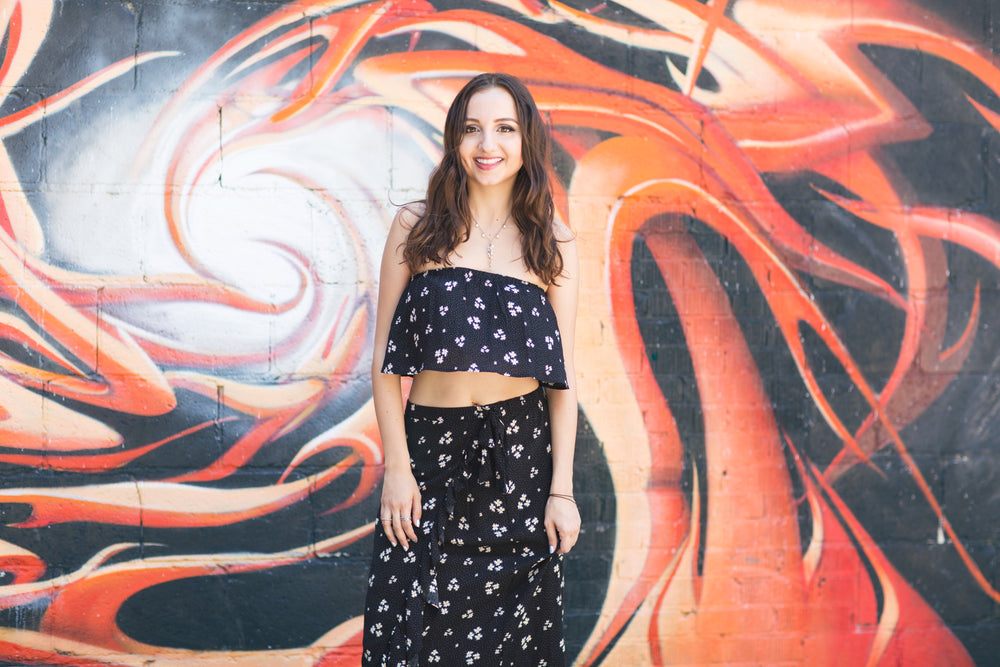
491, 241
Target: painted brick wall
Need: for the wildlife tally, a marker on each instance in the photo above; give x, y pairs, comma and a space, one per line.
789, 223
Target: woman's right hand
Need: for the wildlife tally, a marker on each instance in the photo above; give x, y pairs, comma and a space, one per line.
400, 511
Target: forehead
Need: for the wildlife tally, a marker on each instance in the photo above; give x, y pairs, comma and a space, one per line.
491, 103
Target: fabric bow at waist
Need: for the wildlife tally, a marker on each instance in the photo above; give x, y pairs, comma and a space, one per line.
483, 462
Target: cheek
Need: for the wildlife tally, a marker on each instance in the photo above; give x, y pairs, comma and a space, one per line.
516, 149
466, 143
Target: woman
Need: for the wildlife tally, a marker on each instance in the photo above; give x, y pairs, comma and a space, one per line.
477, 301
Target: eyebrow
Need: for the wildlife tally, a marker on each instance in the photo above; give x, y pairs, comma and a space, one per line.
499, 120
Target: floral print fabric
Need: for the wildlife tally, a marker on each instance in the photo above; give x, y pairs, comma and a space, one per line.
460, 319
479, 587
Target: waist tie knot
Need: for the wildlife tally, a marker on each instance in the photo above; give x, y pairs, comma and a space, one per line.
483, 462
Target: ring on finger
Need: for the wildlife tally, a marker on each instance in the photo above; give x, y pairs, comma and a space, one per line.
404, 518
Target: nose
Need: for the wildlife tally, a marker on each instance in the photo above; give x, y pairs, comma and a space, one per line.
486, 140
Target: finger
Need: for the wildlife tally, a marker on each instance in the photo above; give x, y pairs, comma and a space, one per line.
411, 518
550, 530
418, 510
407, 524
386, 524
397, 527
385, 520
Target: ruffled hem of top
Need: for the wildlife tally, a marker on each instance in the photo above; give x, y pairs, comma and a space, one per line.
412, 372
456, 319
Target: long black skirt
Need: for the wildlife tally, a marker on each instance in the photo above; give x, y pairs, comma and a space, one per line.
479, 587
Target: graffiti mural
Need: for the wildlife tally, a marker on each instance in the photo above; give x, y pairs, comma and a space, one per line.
790, 239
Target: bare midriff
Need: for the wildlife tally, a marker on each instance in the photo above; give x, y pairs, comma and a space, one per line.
460, 389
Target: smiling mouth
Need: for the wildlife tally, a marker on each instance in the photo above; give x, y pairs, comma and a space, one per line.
488, 161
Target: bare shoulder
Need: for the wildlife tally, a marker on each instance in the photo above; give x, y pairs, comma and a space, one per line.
563, 293
566, 238
408, 214
562, 232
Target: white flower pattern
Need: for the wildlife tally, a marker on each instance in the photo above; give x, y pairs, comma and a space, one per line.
481, 555
499, 562
458, 319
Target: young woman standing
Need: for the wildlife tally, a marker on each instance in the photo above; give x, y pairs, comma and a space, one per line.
477, 301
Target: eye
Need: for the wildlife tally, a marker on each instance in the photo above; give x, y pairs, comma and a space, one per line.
507, 129
470, 129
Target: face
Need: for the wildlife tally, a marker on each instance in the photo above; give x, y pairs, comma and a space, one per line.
491, 140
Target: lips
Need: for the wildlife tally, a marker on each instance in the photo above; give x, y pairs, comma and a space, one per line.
487, 162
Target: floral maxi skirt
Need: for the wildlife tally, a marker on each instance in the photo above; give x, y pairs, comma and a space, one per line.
479, 587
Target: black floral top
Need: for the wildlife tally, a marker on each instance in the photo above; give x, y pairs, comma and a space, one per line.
460, 319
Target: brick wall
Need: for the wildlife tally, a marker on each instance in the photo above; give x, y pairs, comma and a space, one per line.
787, 344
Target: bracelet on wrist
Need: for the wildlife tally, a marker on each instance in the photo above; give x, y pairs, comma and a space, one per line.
564, 496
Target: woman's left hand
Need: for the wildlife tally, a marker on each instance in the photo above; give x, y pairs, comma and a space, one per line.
562, 524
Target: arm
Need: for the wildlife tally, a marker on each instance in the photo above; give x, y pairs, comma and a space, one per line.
400, 494
562, 519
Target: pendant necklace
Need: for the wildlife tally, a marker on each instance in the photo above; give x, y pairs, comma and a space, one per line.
491, 241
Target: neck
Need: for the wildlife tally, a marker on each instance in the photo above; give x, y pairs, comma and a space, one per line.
490, 208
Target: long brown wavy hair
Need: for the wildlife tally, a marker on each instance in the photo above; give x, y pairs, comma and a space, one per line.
446, 219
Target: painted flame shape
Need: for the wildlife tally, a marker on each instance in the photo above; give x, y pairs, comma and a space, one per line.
694, 582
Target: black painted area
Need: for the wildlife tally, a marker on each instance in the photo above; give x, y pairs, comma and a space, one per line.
588, 567
277, 608
668, 356
954, 441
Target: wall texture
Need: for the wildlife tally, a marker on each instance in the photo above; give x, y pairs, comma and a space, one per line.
789, 215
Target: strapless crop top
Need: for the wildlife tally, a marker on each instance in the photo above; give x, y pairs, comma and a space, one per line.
459, 319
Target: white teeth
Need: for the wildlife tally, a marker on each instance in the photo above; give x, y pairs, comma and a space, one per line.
488, 160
